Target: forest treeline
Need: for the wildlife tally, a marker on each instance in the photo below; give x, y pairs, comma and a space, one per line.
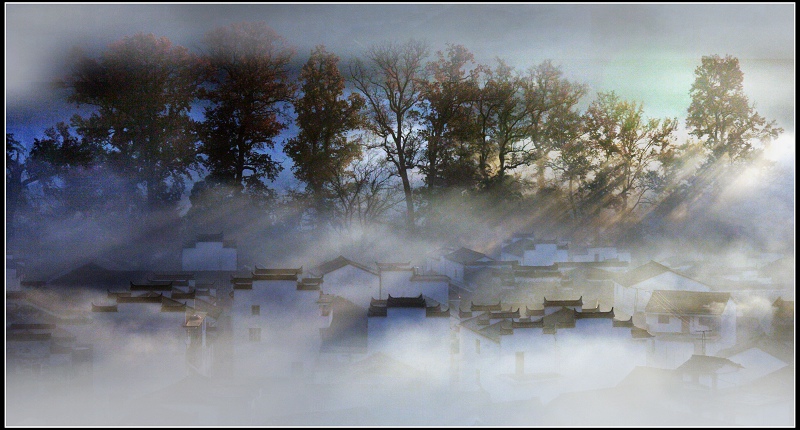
400, 135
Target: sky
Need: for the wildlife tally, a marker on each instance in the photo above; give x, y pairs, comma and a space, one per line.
644, 52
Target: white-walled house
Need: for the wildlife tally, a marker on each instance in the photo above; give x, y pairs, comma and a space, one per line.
528, 251
453, 264
348, 279
598, 254
546, 253
275, 322
410, 331
403, 280
689, 322
210, 253
517, 354
632, 289
709, 373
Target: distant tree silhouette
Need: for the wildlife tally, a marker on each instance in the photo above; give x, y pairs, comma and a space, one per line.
446, 99
248, 88
392, 80
721, 115
323, 148
630, 146
142, 88
49, 158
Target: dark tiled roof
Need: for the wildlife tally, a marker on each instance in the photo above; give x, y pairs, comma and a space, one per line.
527, 323
687, 302
242, 282
104, 308
474, 307
643, 273
152, 286
534, 312
578, 302
172, 276
437, 312
705, 364
429, 278
405, 302
274, 277
502, 264
465, 256
339, 262
595, 314
278, 271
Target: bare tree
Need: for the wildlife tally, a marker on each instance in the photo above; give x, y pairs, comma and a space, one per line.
365, 192
392, 80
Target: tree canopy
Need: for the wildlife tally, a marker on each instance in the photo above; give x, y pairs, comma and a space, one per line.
142, 89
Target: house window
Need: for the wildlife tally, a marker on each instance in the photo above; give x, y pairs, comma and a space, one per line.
477, 346
255, 310
663, 319
709, 322
255, 335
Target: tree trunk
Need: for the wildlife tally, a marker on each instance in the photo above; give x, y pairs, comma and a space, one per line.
410, 223
540, 167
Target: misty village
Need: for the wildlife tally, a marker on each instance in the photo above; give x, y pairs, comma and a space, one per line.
249, 223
